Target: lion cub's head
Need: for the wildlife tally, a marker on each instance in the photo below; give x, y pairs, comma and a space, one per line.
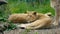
32, 16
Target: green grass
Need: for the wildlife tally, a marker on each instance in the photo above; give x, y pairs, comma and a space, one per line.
21, 7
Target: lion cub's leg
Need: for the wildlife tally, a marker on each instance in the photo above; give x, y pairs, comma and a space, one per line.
37, 24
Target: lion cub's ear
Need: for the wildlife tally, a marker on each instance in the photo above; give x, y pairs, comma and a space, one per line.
34, 13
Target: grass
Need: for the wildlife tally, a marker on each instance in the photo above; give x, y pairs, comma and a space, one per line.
21, 7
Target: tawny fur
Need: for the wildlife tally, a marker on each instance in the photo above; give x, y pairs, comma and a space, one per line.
16, 18
43, 21
22, 18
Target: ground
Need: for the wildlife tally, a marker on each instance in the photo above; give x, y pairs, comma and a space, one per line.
43, 31
52, 30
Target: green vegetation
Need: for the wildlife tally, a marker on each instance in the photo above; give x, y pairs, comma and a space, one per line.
17, 6
36, 32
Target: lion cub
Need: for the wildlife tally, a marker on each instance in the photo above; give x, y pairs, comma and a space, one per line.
44, 20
